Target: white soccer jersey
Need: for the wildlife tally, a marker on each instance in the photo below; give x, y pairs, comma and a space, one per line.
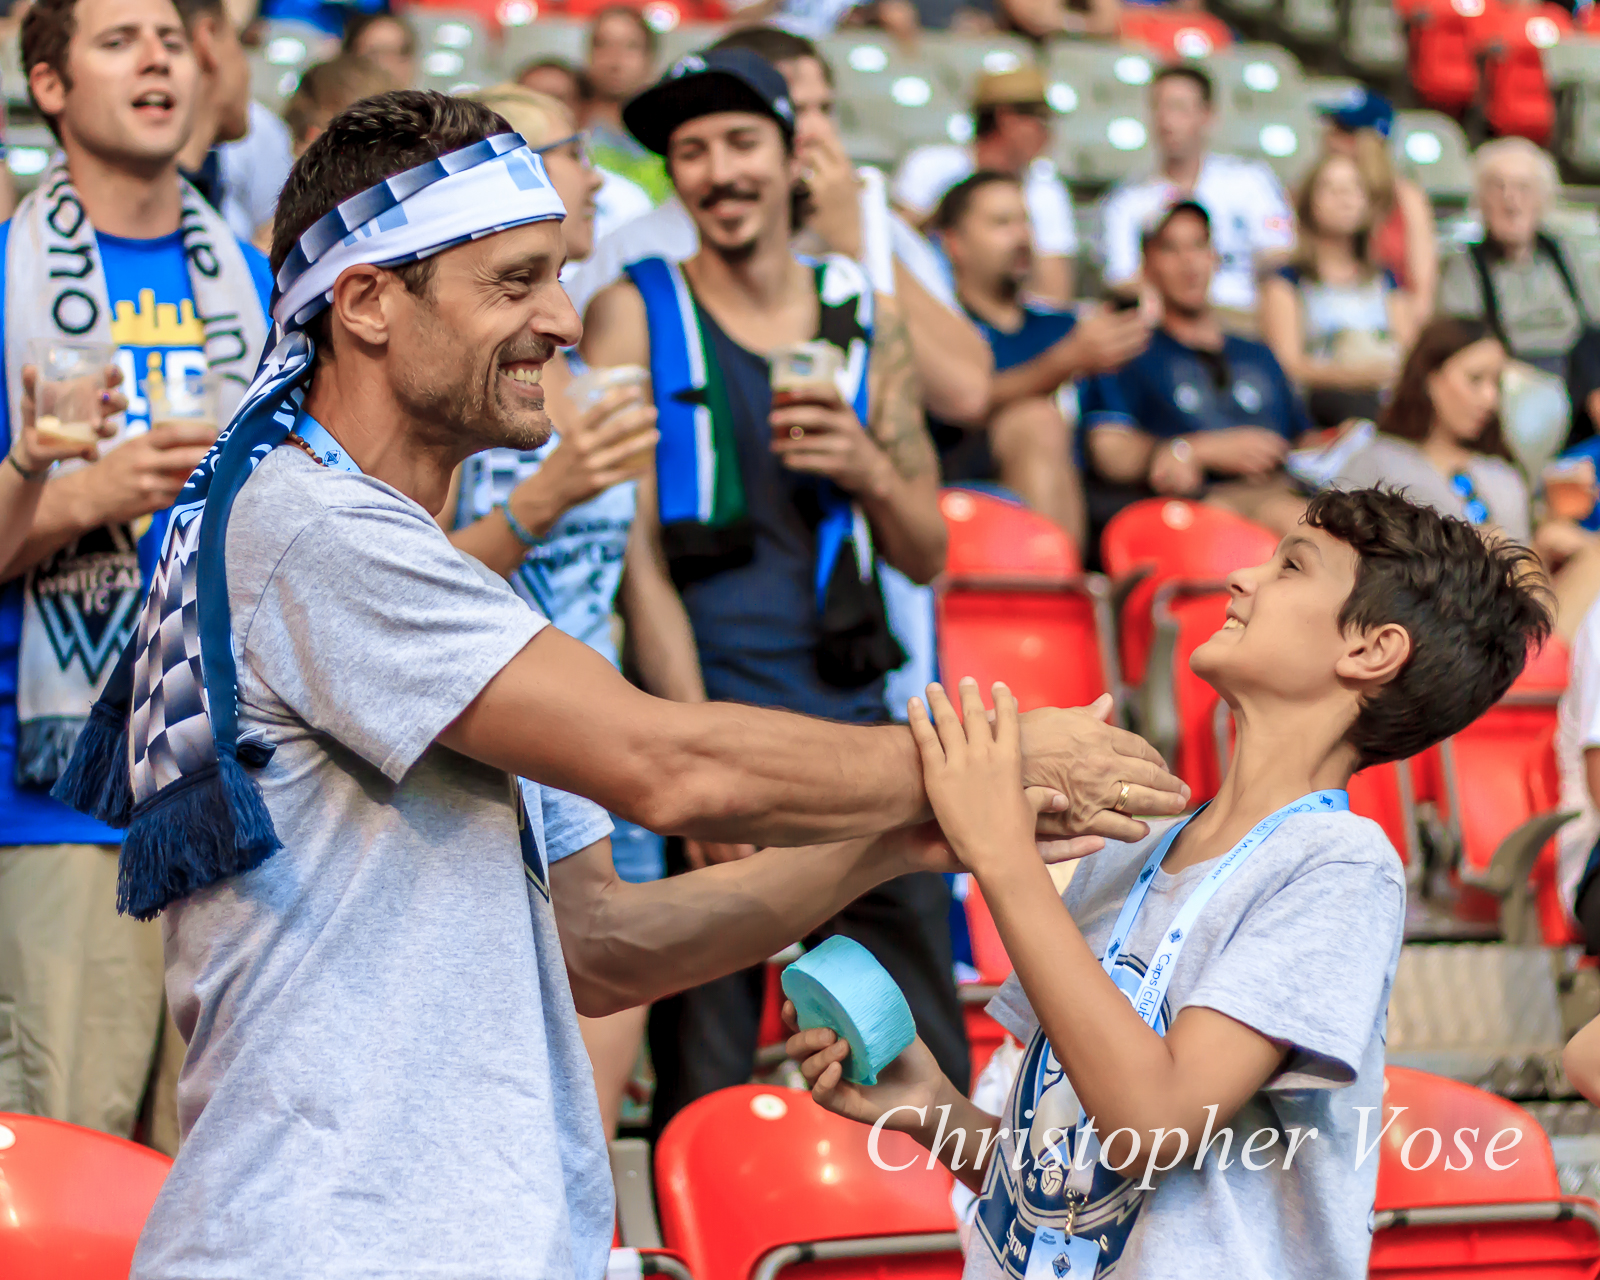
1249, 217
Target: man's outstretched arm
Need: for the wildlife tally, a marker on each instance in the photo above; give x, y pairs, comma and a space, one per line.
560, 714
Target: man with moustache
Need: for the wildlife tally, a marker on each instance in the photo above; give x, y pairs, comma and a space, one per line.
758, 574
374, 935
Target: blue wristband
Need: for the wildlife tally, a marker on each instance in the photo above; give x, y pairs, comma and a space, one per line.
524, 535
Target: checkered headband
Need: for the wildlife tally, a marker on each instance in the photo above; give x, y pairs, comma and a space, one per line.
175, 774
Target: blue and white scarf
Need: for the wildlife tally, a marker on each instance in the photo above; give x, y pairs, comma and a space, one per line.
161, 755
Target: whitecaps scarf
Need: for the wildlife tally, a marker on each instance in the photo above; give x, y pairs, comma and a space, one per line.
162, 754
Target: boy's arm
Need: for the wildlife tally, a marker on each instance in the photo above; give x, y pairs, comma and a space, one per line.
1163, 1090
1581, 1061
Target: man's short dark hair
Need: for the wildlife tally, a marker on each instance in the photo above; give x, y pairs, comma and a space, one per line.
1473, 607
47, 30
652, 42
775, 45
1183, 71
953, 208
373, 140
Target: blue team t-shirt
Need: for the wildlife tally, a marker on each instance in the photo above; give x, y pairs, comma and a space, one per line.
1172, 390
153, 319
1041, 329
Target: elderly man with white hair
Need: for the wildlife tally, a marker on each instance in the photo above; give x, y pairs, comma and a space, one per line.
1539, 295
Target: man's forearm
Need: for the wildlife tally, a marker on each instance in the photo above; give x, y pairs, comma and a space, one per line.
1040, 376
63, 514
560, 714
1121, 454
907, 527
628, 945
954, 363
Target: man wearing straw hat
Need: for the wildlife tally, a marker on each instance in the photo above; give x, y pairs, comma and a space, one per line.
314, 743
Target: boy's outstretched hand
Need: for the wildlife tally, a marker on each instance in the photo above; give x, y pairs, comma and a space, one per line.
973, 773
911, 1080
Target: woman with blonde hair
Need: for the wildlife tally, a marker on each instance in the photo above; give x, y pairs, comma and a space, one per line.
1337, 322
1403, 238
556, 521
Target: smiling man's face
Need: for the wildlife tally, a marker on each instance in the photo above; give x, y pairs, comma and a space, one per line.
129, 89
466, 353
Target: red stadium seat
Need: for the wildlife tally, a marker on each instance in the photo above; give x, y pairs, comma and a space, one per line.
1171, 557
1383, 793
1488, 767
989, 958
751, 1179
1174, 33
1434, 1222
1511, 40
1015, 605
72, 1201
1443, 64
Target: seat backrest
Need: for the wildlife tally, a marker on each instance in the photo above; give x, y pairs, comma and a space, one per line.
75, 1200
1432, 149
746, 1170
1175, 33
1173, 540
1406, 1180
1049, 644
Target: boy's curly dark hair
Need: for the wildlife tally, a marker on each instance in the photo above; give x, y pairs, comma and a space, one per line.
1473, 606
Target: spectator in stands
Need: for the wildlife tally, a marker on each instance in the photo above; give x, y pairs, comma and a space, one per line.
1440, 440
556, 77
1404, 240
221, 109
1535, 292
1250, 218
1038, 353
1440, 435
1012, 128
1201, 413
116, 80
622, 56
389, 40
953, 362
1337, 322
555, 521
328, 88
615, 202
751, 610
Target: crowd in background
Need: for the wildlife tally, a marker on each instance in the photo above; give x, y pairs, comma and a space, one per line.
1248, 346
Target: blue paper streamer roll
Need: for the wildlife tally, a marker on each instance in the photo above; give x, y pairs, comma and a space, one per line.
839, 985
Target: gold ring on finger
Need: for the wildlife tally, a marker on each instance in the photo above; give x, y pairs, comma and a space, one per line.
1122, 799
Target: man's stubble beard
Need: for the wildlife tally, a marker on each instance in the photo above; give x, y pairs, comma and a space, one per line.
454, 416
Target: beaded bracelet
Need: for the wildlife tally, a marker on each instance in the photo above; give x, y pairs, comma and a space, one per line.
524, 535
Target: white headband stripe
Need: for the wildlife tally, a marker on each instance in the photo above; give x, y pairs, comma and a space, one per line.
506, 190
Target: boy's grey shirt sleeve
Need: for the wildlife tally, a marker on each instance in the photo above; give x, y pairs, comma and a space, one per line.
373, 629
1309, 967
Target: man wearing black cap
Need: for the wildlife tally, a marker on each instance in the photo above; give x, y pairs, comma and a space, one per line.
763, 523
1201, 411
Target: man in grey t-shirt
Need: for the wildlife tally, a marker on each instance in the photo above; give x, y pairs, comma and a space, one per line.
384, 1074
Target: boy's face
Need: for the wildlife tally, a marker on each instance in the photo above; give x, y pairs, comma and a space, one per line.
1282, 637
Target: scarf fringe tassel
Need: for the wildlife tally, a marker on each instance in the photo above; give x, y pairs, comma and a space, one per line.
204, 828
97, 780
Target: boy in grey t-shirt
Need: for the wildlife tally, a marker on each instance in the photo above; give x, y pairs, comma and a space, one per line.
1203, 1011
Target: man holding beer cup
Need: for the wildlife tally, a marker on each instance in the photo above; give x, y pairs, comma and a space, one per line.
792, 457
111, 264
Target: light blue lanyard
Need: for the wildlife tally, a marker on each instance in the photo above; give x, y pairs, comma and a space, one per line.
329, 452
1158, 974
1147, 1000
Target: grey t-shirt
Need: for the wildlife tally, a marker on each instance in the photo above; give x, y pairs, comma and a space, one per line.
384, 1074
1392, 461
1537, 309
1300, 943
